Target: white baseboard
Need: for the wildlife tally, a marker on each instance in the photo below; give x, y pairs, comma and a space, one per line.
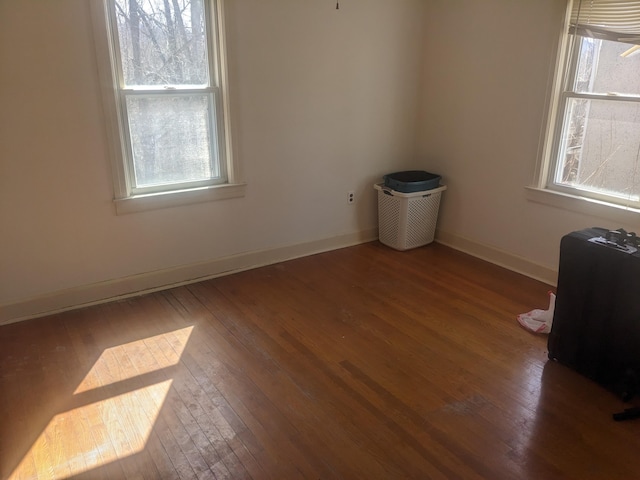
135, 285
498, 257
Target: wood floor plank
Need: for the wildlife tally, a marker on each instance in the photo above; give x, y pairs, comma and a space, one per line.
230, 458
237, 347
446, 332
449, 472
361, 363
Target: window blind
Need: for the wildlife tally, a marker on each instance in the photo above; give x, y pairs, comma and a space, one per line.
617, 20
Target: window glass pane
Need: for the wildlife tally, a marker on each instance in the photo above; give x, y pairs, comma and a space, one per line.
600, 149
162, 42
603, 69
171, 138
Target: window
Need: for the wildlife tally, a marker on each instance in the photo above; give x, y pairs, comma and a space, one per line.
593, 147
164, 70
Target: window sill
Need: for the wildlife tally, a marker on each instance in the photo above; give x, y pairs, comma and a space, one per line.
140, 203
617, 214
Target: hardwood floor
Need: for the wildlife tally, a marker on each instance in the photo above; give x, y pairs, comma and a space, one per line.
358, 363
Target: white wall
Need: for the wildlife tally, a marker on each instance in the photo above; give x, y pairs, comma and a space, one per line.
486, 72
323, 102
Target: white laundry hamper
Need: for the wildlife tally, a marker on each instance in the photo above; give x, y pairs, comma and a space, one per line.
407, 220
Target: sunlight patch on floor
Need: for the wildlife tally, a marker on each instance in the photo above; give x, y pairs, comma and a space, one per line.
151, 354
70, 445
101, 432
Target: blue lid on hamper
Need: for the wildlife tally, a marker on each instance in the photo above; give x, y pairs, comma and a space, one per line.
411, 181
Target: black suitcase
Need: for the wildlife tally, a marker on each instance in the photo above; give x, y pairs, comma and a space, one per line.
596, 322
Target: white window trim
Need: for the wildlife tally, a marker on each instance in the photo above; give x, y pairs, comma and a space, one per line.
617, 214
124, 200
539, 191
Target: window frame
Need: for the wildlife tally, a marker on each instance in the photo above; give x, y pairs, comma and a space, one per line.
128, 198
567, 92
542, 190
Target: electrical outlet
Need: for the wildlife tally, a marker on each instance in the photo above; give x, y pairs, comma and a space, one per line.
351, 196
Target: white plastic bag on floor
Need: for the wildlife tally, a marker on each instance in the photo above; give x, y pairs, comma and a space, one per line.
539, 321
